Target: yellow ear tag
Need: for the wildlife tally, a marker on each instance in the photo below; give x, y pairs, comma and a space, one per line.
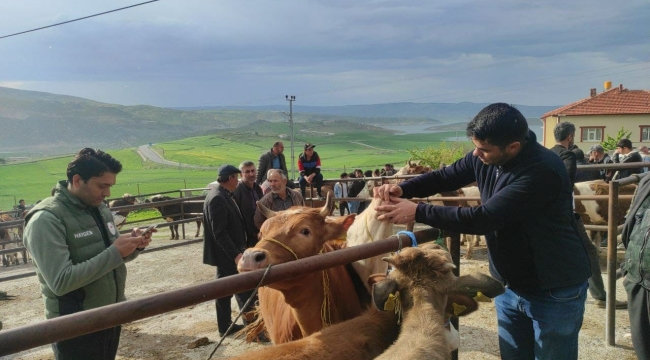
458, 309
389, 305
393, 303
481, 298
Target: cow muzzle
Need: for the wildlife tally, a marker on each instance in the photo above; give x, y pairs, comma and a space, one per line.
252, 259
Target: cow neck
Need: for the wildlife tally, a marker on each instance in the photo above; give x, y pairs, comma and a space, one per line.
313, 316
308, 308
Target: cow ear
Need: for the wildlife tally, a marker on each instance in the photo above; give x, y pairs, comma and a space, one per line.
381, 292
348, 221
471, 285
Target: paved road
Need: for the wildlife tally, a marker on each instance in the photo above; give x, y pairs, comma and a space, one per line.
148, 153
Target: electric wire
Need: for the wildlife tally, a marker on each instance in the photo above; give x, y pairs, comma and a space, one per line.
81, 18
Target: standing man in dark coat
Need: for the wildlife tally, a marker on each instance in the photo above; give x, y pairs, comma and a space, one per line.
272, 159
247, 194
224, 240
564, 134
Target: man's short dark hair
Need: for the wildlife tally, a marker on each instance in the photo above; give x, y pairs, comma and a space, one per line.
624, 143
344, 174
563, 130
277, 143
89, 163
498, 124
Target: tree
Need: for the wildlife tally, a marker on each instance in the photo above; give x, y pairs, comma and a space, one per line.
610, 143
445, 154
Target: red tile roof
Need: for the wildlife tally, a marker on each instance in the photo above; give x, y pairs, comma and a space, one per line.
610, 102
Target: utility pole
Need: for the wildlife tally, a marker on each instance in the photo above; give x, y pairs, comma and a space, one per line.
291, 99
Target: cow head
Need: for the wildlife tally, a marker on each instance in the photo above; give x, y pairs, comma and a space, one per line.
292, 234
425, 272
413, 168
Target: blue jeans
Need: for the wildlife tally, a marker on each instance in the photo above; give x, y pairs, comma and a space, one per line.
540, 324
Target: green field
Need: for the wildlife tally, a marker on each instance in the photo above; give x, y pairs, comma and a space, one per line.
340, 146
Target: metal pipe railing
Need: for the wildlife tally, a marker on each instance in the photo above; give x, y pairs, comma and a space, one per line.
69, 326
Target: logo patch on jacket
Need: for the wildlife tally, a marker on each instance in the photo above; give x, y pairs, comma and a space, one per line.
111, 227
83, 234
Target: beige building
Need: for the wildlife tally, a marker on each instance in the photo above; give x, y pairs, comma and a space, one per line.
601, 115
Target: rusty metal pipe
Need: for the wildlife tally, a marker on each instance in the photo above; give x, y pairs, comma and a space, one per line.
69, 326
610, 319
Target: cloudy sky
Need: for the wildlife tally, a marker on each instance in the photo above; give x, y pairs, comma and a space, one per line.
326, 52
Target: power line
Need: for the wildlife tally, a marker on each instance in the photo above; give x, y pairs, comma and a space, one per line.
81, 18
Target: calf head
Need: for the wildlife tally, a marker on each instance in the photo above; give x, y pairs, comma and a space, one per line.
426, 271
293, 234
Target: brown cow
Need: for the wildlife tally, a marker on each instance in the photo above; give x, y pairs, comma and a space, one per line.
316, 299
422, 280
595, 212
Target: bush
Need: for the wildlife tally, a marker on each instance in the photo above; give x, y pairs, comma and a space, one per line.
610, 143
445, 154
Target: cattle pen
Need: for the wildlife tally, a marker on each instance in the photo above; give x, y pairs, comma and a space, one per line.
44, 333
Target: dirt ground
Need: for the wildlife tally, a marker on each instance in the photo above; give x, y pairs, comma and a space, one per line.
167, 336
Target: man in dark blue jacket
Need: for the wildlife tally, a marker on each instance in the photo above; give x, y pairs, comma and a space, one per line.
527, 219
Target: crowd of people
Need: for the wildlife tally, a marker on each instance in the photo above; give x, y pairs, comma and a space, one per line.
536, 243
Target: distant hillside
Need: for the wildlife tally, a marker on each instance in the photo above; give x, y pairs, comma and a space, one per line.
444, 112
42, 124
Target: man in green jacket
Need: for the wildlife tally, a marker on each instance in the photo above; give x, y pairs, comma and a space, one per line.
637, 268
78, 252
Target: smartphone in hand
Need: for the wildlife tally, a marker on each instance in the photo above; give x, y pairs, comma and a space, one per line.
147, 230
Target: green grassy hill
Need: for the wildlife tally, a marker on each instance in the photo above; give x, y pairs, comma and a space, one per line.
341, 146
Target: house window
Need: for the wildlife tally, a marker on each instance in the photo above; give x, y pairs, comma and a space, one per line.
645, 133
594, 134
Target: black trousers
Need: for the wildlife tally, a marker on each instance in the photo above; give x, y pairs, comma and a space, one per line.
100, 345
638, 306
224, 316
596, 285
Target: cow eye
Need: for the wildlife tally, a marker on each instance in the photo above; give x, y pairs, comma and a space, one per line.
305, 231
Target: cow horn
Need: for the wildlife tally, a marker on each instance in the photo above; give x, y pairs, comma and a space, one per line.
268, 213
327, 208
409, 163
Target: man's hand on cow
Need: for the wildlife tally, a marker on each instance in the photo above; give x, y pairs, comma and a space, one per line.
397, 211
386, 191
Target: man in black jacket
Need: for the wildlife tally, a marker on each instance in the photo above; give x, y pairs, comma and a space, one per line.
526, 215
272, 159
564, 134
597, 155
224, 240
625, 154
247, 194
